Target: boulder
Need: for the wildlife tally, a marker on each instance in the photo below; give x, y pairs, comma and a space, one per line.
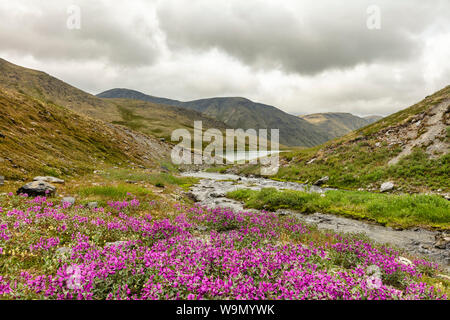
49, 179
2, 180
387, 186
37, 188
321, 181
92, 205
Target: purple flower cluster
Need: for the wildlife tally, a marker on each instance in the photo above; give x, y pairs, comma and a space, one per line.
200, 253
45, 244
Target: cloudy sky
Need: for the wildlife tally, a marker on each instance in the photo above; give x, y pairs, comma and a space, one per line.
300, 56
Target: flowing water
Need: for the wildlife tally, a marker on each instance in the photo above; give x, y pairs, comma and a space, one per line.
212, 189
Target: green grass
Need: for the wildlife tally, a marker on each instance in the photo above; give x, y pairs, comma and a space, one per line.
362, 166
156, 179
218, 169
392, 210
113, 192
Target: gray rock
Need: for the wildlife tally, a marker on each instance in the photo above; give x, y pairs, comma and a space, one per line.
191, 196
49, 179
92, 205
387, 186
37, 188
217, 195
321, 181
442, 241
2, 180
70, 200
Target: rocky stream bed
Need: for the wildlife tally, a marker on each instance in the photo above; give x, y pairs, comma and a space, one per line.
212, 189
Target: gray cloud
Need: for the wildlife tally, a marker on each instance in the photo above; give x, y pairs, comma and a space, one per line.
105, 34
300, 56
304, 37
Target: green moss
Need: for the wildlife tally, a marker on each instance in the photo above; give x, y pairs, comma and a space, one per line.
113, 192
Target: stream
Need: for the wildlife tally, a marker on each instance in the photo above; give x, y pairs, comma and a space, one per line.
212, 188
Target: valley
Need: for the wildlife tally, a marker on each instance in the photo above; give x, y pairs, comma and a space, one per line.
106, 201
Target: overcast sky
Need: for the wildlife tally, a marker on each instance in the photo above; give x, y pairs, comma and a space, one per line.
300, 56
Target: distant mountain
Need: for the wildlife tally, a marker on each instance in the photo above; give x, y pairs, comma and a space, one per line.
136, 95
241, 113
373, 118
337, 124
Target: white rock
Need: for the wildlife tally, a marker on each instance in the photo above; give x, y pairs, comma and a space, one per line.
404, 261
387, 186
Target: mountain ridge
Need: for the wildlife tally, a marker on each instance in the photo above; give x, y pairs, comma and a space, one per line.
239, 112
150, 118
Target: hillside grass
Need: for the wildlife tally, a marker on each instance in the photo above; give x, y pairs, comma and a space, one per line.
41, 138
361, 166
158, 179
392, 210
360, 159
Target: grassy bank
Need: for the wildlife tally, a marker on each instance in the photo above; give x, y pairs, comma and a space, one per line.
392, 210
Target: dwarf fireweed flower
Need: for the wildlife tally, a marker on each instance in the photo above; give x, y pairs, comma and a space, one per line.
201, 253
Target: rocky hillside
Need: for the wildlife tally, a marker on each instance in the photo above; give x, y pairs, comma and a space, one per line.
241, 113
409, 149
337, 124
40, 137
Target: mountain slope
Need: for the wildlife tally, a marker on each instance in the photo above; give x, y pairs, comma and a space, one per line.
136, 95
409, 148
337, 124
150, 118
49, 89
241, 113
39, 137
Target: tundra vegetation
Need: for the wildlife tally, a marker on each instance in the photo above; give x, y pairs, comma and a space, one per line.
151, 246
